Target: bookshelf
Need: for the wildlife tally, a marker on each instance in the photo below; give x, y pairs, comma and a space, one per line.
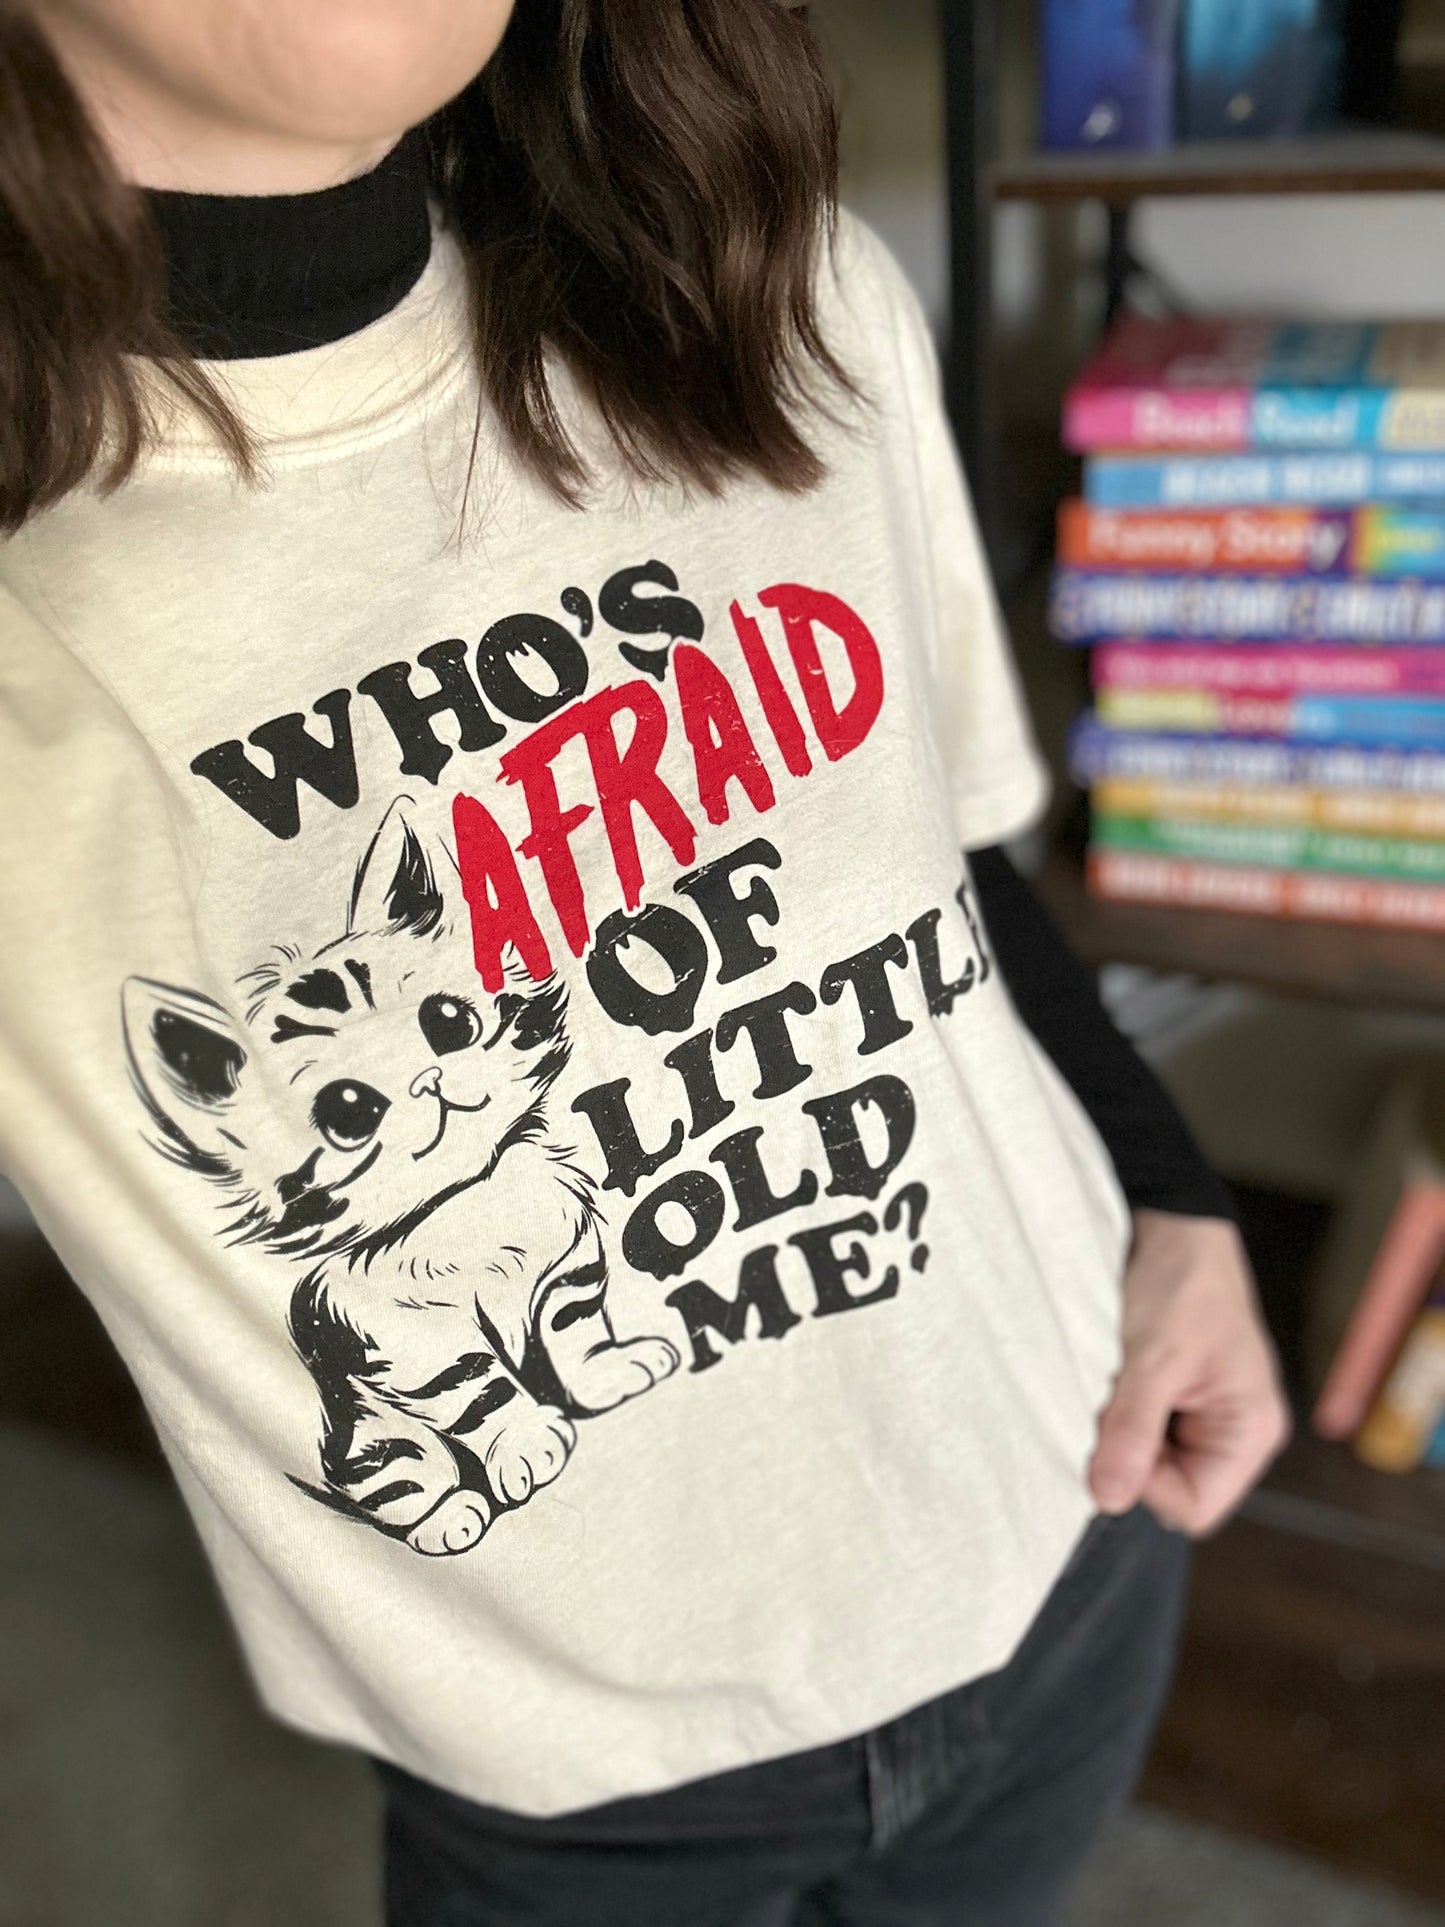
1399, 970
1313, 1646
1368, 161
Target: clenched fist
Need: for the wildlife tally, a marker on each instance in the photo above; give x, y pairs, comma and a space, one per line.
1197, 1412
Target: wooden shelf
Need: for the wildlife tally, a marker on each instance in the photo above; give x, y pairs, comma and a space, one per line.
1321, 1491
1354, 163
1306, 1710
1336, 963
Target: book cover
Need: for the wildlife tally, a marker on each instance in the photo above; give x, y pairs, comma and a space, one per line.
1272, 846
1399, 542
1260, 69
1383, 542
1093, 606
1362, 812
1312, 896
1109, 73
1224, 386
1262, 481
1298, 719
1275, 669
1099, 754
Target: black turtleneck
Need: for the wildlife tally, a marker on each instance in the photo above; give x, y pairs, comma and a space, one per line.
268, 274
272, 274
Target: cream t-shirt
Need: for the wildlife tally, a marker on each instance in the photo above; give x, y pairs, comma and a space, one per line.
496, 1020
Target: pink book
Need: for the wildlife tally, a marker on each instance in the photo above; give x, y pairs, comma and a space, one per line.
1182, 384
1205, 386
1394, 1292
1270, 669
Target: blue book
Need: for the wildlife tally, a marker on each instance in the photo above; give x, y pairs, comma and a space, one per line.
1260, 69
1261, 481
1109, 72
1098, 754
1400, 542
1386, 720
1090, 606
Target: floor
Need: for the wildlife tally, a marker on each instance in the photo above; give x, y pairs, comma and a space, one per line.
140, 1786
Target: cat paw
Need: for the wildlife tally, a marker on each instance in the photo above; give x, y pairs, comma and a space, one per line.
528, 1451
452, 1527
619, 1372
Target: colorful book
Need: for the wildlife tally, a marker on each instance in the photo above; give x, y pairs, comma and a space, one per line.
1383, 1250
1274, 670
1088, 606
1317, 896
1262, 481
1399, 542
1272, 846
1407, 1410
1299, 719
1237, 541
1109, 73
1220, 387
1391, 813
1098, 754
1386, 542
1260, 69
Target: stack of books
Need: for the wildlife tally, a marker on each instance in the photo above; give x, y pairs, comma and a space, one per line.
1259, 562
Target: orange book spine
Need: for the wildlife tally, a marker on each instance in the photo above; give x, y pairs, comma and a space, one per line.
1272, 541
1396, 1288
1318, 896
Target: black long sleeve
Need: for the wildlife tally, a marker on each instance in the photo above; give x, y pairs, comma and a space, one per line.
1159, 1165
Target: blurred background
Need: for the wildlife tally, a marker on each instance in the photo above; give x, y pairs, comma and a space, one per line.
1041, 170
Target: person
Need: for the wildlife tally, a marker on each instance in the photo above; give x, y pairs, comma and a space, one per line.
686, 1334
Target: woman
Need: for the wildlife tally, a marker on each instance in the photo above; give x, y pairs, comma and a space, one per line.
496, 674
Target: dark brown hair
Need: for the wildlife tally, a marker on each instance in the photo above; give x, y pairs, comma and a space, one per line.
642, 186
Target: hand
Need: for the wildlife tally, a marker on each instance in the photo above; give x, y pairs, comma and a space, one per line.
1197, 1412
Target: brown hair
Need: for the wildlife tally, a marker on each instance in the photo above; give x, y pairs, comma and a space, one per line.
639, 185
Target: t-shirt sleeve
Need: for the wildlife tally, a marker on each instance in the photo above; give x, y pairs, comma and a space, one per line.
997, 779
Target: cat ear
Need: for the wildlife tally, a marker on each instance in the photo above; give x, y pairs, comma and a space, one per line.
401, 881
187, 1058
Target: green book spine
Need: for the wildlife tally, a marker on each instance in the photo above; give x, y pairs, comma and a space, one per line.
1282, 847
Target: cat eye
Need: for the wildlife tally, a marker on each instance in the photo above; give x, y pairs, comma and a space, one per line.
448, 1023
348, 1115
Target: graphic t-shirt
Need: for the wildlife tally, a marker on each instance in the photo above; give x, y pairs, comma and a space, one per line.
492, 1012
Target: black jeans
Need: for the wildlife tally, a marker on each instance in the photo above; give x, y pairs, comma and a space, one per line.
972, 1811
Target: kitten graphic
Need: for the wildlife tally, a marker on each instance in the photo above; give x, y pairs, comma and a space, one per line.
378, 1116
